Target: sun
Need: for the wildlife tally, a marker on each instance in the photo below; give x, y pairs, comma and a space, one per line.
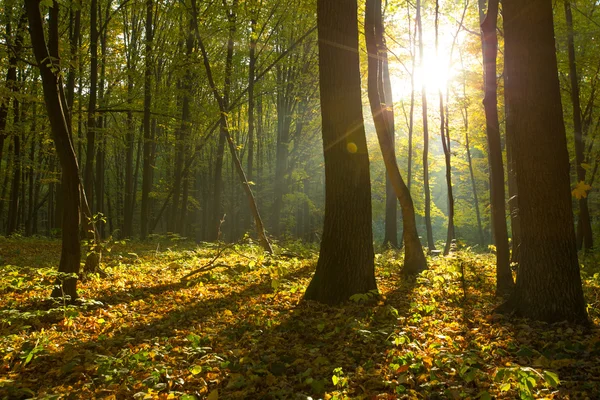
434, 74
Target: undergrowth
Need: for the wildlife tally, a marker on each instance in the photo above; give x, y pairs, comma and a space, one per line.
240, 330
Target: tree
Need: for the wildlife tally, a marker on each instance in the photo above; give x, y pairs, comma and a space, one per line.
50, 72
346, 258
148, 136
504, 280
414, 260
584, 226
548, 286
428, 227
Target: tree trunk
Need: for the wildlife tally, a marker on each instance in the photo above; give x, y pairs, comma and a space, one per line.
504, 279
414, 259
391, 202
71, 251
131, 54
88, 175
584, 225
147, 157
346, 258
548, 284
223, 103
428, 227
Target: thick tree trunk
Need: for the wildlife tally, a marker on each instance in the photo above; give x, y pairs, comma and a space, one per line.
414, 259
428, 227
548, 281
71, 251
584, 226
346, 259
504, 279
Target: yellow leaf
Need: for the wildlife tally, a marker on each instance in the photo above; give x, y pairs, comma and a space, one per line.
227, 313
581, 190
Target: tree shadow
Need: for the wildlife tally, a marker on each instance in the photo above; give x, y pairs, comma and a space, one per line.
73, 362
299, 353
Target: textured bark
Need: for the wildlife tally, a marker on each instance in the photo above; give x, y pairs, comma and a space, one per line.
428, 227
504, 280
414, 259
584, 226
71, 251
548, 284
346, 258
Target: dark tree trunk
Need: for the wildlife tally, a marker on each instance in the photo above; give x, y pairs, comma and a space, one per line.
71, 251
15, 48
548, 284
346, 259
132, 34
414, 259
148, 139
428, 227
504, 279
88, 175
584, 226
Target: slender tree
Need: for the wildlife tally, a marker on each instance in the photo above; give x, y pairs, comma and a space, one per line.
548, 286
414, 260
584, 226
346, 258
148, 137
504, 280
50, 72
428, 227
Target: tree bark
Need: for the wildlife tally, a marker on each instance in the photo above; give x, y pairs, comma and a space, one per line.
504, 279
584, 226
346, 258
548, 286
71, 251
414, 259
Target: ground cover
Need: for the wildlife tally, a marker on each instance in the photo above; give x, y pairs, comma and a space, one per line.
239, 330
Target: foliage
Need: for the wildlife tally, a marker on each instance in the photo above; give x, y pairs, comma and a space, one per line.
231, 333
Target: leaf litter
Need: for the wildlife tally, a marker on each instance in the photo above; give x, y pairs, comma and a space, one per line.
240, 330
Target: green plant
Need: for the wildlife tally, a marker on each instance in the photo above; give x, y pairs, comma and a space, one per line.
364, 297
525, 380
338, 378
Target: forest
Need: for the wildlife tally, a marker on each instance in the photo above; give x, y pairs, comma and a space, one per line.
299, 199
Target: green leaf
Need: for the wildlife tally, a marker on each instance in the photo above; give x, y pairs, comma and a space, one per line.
335, 379
485, 395
551, 379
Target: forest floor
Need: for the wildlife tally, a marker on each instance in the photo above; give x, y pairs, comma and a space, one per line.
241, 331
